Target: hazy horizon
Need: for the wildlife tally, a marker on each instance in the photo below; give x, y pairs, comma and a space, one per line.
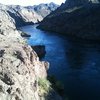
29, 2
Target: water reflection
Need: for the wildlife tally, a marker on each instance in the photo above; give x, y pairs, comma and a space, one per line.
75, 58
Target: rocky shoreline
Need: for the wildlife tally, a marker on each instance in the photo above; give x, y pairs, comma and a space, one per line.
40, 50
22, 75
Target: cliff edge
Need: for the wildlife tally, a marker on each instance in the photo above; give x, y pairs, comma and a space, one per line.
22, 75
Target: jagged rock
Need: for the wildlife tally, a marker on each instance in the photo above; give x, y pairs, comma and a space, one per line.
20, 68
40, 50
44, 9
25, 34
30, 14
20, 72
23, 16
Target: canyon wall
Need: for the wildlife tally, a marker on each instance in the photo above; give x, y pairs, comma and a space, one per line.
77, 18
27, 15
22, 75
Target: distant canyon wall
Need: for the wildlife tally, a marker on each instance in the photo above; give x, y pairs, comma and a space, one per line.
30, 14
77, 18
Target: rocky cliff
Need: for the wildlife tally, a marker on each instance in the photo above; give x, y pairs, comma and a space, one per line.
44, 9
73, 3
30, 14
78, 18
22, 75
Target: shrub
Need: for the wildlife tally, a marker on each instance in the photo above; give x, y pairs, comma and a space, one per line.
44, 86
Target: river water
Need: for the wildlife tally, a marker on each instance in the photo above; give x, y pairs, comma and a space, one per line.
76, 63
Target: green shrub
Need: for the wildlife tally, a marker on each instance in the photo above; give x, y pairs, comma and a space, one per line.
44, 86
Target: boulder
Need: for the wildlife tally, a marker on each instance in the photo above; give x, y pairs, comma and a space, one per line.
40, 50
23, 34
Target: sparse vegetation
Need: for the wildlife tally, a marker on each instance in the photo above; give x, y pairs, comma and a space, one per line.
44, 86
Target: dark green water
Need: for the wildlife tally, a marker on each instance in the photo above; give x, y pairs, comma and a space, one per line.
74, 62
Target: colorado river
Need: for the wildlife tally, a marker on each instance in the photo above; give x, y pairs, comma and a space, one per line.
75, 63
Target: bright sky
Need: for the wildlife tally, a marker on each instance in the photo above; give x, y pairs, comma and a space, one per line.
29, 2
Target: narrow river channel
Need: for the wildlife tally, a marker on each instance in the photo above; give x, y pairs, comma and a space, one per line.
75, 63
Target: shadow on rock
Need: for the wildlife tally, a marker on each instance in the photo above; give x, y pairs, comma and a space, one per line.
40, 50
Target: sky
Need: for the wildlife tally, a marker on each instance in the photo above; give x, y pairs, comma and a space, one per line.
29, 2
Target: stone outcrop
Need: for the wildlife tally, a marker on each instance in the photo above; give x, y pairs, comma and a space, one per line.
40, 50
77, 18
20, 68
25, 35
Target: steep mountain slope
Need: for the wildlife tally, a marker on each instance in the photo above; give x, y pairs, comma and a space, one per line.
28, 15
23, 15
73, 3
44, 9
22, 75
78, 18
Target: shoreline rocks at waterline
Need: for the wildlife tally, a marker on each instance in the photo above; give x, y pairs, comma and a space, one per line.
40, 50
23, 34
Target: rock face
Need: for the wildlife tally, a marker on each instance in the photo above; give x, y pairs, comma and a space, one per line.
73, 3
44, 9
25, 35
23, 16
40, 50
20, 68
28, 15
78, 18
